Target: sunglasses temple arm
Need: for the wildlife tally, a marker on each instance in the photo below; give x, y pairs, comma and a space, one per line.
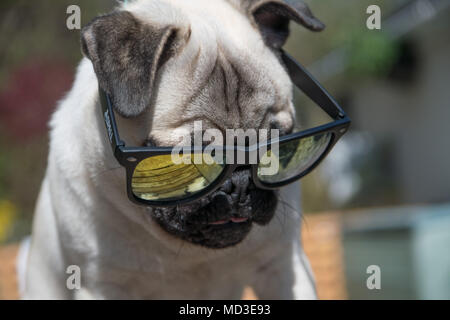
311, 87
110, 121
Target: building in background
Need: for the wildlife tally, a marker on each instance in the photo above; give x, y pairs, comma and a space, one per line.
410, 109
394, 84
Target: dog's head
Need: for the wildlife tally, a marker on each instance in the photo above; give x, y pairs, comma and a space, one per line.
166, 64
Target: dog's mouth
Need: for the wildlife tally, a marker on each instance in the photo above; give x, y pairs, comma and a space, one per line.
223, 218
231, 220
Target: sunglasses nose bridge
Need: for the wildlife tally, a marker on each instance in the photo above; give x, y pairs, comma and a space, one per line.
244, 156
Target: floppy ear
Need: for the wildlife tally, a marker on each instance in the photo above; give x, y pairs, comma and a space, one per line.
126, 55
273, 16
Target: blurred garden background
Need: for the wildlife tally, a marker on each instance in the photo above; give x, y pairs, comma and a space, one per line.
387, 183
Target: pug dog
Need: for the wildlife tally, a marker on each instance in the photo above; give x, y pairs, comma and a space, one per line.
165, 64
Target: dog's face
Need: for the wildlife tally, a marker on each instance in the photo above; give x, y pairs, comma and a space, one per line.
169, 63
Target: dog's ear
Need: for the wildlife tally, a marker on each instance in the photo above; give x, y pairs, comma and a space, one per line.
273, 16
126, 55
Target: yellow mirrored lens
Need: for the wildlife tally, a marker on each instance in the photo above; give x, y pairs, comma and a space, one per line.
293, 158
159, 178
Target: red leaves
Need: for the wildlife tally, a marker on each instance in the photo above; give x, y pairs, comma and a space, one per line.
30, 96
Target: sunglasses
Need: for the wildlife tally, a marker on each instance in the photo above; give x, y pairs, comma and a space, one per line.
155, 179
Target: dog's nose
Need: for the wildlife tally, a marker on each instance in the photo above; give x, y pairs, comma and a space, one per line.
237, 187
232, 200
240, 181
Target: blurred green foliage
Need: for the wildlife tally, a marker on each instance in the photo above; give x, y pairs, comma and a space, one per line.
30, 29
372, 53
342, 18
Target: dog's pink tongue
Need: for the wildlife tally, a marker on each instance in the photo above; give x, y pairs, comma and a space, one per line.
235, 220
238, 220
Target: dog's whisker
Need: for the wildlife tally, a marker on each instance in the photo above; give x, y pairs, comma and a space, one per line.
287, 204
179, 249
302, 217
279, 221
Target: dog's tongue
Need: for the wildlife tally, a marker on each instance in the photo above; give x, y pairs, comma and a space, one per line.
235, 220
238, 220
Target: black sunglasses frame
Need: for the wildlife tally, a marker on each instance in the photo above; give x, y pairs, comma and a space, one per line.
129, 157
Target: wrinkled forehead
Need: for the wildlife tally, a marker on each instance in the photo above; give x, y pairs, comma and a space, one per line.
220, 32
225, 74
212, 22
133, 47
180, 12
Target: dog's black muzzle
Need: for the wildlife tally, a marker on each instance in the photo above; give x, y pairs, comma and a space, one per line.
224, 217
